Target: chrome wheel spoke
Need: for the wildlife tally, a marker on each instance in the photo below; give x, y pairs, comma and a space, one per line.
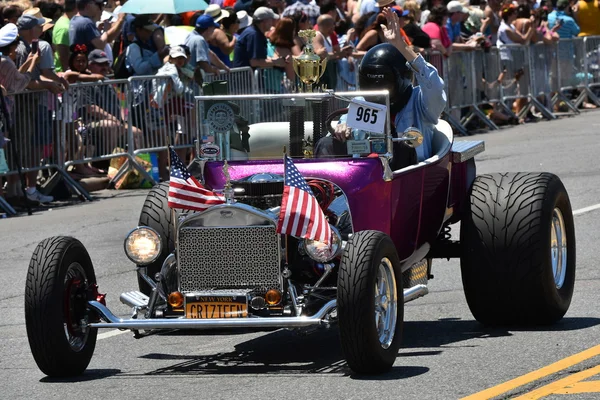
558, 248
385, 303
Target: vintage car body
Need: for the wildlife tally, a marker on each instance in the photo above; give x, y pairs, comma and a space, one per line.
390, 226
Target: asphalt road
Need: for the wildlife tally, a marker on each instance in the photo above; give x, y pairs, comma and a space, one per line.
445, 354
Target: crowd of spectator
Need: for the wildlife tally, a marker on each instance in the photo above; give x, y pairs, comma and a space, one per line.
52, 44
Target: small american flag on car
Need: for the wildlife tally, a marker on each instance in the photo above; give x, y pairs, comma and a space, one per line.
186, 192
301, 215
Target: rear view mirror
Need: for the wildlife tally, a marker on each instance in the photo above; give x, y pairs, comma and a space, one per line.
412, 137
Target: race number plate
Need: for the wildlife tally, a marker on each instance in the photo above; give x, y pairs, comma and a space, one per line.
367, 116
208, 307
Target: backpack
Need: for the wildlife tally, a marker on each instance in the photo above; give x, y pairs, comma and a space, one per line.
120, 67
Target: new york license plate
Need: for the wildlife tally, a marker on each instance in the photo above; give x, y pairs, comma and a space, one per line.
208, 307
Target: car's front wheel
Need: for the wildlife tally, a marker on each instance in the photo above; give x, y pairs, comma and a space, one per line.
60, 281
370, 302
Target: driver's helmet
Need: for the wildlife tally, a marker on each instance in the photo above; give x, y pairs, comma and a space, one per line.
384, 67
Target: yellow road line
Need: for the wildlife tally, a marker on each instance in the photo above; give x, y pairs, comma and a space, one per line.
535, 375
580, 387
560, 384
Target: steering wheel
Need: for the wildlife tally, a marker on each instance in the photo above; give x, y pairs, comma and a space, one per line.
332, 116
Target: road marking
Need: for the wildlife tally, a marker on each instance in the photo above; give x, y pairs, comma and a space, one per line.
586, 209
561, 384
535, 375
580, 387
109, 334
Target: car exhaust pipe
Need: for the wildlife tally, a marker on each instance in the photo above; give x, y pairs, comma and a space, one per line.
112, 321
415, 292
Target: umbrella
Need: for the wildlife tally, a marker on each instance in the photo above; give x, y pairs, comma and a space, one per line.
162, 6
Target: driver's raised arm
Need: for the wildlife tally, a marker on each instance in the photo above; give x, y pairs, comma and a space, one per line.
432, 98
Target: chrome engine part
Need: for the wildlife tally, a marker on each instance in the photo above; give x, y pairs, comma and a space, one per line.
262, 191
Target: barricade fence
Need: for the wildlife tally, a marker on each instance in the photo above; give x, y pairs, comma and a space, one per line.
124, 118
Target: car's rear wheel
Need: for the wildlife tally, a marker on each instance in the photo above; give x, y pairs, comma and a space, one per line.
370, 302
157, 215
518, 259
60, 281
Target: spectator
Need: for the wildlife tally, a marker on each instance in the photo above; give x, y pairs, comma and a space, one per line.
307, 7
251, 47
491, 20
140, 57
11, 14
82, 28
568, 27
281, 45
78, 66
219, 43
588, 16
301, 22
436, 30
327, 50
457, 13
15, 80
373, 35
411, 15
278, 6
197, 41
545, 34
245, 21
427, 6
508, 34
60, 36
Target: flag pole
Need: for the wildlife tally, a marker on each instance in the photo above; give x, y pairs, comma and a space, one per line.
173, 212
286, 236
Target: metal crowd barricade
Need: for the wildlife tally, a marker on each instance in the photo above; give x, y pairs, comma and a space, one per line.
440, 62
515, 60
37, 138
240, 81
591, 45
96, 124
160, 117
573, 72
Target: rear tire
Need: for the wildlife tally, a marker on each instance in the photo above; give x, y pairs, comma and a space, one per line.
157, 215
370, 267
60, 281
514, 266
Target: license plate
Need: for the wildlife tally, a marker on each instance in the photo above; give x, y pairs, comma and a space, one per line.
208, 307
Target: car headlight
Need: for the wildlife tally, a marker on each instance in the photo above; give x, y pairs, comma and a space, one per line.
323, 252
143, 245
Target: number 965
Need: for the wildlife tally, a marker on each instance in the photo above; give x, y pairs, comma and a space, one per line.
367, 115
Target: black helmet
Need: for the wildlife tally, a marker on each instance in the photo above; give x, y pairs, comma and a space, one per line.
384, 67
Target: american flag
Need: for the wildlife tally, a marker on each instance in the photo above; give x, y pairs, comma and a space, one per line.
186, 192
301, 215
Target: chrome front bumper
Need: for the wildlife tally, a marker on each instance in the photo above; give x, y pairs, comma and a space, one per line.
322, 317
112, 321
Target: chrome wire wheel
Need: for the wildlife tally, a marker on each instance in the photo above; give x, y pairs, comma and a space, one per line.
386, 303
558, 248
75, 302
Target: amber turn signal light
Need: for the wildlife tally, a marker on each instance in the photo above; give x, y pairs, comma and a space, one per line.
273, 297
176, 300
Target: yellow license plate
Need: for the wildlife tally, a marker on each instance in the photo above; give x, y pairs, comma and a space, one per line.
209, 307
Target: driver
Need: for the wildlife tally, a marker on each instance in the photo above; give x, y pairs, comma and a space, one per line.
391, 66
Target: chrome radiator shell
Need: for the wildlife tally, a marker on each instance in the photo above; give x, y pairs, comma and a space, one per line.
231, 246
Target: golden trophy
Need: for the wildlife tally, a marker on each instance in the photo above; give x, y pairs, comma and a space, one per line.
308, 66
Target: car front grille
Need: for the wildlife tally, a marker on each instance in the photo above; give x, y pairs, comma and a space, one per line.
212, 258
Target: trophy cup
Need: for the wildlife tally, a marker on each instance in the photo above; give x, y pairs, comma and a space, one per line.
309, 67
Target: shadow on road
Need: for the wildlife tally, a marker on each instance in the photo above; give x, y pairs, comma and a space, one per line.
88, 375
286, 353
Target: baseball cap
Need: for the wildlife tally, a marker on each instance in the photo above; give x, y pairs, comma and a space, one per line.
263, 13
177, 51
144, 22
456, 6
97, 57
215, 11
27, 22
8, 34
205, 21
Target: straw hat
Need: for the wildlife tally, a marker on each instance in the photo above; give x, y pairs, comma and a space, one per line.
35, 11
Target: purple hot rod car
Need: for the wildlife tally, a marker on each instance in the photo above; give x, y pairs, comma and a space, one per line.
228, 267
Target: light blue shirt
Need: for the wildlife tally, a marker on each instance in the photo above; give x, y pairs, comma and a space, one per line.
425, 105
569, 28
142, 61
199, 49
